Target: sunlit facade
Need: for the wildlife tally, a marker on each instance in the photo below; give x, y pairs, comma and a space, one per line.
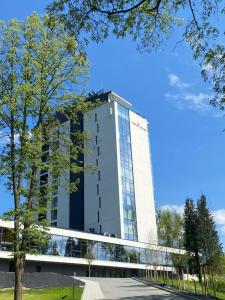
112, 212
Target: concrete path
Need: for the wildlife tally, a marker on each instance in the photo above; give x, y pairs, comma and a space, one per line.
92, 290
129, 289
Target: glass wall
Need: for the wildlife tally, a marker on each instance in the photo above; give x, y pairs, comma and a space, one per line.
129, 207
73, 247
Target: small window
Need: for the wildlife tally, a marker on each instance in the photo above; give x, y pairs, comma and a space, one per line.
54, 202
97, 189
100, 229
54, 214
98, 150
43, 171
97, 127
96, 140
41, 217
99, 202
96, 117
11, 266
44, 158
38, 268
99, 176
45, 148
98, 217
43, 179
97, 162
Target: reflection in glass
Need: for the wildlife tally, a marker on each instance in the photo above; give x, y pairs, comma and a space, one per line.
73, 247
129, 209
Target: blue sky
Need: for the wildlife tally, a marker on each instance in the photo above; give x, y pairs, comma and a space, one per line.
187, 138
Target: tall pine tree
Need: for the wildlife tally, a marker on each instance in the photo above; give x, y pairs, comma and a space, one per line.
201, 240
209, 244
191, 237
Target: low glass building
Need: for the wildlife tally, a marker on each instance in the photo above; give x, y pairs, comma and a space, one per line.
66, 252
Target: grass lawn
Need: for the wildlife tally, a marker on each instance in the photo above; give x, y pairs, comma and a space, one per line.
44, 294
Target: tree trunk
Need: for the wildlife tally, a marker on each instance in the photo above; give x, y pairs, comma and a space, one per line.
89, 270
213, 283
19, 263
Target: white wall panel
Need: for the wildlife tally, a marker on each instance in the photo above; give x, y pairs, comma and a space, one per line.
109, 213
145, 208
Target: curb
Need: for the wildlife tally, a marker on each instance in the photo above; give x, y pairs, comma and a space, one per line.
169, 290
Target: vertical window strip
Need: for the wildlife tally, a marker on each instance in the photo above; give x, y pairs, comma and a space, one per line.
129, 207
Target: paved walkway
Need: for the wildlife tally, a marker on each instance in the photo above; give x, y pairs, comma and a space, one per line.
92, 290
129, 289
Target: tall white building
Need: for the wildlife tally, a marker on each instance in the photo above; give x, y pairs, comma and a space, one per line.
117, 198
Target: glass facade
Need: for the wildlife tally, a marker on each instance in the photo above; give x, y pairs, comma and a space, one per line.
128, 194
75, 247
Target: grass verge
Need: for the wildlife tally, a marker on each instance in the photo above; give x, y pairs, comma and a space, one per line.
44, 294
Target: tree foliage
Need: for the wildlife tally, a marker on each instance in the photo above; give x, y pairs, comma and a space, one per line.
209, 244
151, 22
170, 229
40, 68
171, 234
201, 239
191, 241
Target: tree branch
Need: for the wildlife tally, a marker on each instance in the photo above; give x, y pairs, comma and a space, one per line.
115, 12
193, 15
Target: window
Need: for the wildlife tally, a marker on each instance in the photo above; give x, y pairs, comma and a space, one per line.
54, 214
96, 117
98, 217
96, 162
99, 202
130, 223
44, 158
98, 150
45, 147
99, 176
54, 202
43, 171
38, 268
65, 246
55, 189
11, 267
97, 189
43, 179
97, 127
96, 140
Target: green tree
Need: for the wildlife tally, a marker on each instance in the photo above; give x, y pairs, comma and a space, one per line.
191, 238
209, 244
40, 68
202, 241
149, 23
170, 229
171, 234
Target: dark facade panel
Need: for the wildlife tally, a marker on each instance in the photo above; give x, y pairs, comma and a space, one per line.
77, 198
